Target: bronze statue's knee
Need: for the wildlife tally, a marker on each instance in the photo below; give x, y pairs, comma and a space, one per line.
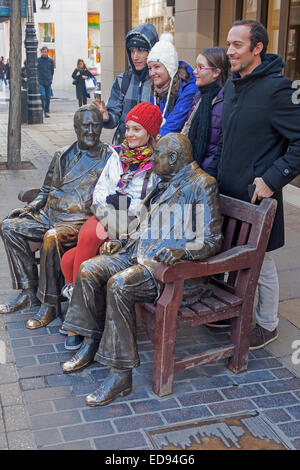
50, 238
86, 269
116, 283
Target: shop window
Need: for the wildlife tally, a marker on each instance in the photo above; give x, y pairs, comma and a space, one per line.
273, 25
249, 10
226, 20
93, 61
47, 32
292, 69
51, 53
158, 12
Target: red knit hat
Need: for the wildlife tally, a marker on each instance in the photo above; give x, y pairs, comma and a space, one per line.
147, 115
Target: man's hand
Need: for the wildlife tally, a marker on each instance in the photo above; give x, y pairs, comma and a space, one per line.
102, 109
169, 256
20, 212
110, 247
262, 190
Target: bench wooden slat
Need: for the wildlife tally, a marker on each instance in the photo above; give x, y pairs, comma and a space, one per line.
238, 209
186, 313
203, 358
225, 296
214, 304
244, 233
229, 234
200, 309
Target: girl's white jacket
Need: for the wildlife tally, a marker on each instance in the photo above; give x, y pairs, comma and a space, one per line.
107, 184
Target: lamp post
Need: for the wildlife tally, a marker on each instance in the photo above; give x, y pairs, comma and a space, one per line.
35, 110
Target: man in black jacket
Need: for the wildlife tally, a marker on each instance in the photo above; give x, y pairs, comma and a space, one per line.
261, 146
46, 71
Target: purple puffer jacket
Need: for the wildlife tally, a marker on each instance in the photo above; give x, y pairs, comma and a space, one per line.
215, 126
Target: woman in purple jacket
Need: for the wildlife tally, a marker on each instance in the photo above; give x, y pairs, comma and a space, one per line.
204, 124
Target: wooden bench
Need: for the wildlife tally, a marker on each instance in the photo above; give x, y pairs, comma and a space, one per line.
233, 280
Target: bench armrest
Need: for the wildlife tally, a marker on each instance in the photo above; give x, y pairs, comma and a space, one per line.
239, 257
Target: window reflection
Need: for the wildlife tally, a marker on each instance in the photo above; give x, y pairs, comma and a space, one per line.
292, 69
226, 20
156, 12
249, 10
273, 25
47, 32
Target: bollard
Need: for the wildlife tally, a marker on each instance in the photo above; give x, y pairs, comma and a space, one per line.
24, 107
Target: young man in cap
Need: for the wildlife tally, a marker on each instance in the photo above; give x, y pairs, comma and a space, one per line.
131, 87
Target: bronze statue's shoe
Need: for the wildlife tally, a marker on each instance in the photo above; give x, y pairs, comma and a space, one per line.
45, 315
26, 299
117, 384
84, 356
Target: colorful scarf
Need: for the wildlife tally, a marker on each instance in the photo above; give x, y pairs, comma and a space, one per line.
133, 160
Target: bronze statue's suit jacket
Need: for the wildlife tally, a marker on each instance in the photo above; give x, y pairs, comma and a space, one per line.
66, 195
58, 212
190, 187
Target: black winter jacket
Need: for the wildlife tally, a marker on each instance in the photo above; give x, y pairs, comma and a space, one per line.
46, 70
80, 82
261, 136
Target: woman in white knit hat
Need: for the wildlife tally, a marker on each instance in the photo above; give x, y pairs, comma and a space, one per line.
173, 84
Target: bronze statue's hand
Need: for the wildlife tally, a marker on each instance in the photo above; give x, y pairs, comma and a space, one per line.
110, 247
169, 256
34, 207
20, 212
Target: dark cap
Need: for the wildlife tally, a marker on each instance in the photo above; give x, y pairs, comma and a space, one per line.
138, 42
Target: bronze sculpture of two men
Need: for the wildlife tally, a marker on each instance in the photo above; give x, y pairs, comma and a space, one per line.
106, 318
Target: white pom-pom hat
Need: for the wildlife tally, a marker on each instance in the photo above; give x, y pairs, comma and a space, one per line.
165, 52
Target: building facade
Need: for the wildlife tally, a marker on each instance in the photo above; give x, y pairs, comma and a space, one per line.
94, 30
70, 29
197, 24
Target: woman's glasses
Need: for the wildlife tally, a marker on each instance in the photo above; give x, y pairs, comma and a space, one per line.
200, 68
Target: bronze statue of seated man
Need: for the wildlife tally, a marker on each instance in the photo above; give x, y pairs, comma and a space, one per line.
106, 318
54, 218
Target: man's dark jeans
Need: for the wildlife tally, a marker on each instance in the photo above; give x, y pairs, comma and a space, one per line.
45, 91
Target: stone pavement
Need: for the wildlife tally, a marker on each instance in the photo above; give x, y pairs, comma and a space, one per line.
40, 408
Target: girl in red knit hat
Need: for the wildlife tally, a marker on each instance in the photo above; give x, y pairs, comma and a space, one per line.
126, 179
